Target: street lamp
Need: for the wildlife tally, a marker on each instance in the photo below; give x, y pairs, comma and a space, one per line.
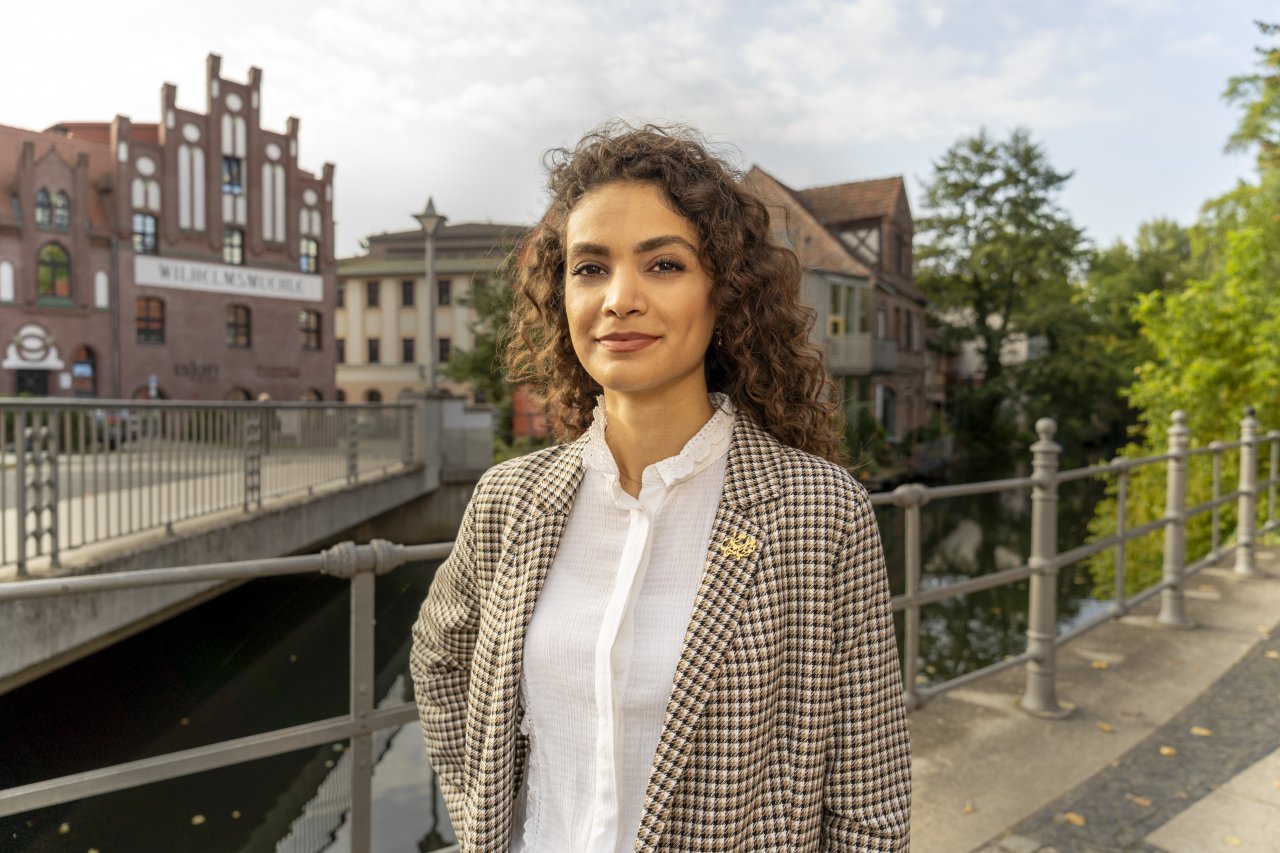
431, 222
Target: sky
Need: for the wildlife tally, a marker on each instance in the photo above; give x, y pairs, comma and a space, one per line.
459, 99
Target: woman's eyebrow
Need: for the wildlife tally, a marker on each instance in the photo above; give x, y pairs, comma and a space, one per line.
665, 240
589, 249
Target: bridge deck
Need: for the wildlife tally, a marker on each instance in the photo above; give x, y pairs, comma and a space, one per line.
989, 777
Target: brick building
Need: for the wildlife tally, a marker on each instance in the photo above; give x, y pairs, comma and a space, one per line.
854, 241
191, 258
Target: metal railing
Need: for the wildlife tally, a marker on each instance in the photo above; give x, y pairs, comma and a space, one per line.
80, 472
360, 564
1044, 562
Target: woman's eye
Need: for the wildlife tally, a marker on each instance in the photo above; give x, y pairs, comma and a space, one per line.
668, 265
587, 268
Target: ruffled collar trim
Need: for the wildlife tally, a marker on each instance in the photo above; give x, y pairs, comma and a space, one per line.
707, 445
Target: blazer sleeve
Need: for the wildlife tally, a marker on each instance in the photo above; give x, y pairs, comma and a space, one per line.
867, 790
444, 637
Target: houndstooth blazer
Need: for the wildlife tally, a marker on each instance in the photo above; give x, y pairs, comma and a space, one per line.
785, 730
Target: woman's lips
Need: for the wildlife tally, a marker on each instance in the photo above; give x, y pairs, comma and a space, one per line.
626, 343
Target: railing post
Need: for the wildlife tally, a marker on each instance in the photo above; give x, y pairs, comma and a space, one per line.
20, 438
1040, 697
406, 434
1172, 612
352, 445
253, 459
911, 497
362, 671
1274, 438
1247, 512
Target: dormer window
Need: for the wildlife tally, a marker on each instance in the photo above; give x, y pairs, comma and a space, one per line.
863, 238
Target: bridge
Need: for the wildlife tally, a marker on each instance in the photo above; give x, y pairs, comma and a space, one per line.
1152, 736
102, 487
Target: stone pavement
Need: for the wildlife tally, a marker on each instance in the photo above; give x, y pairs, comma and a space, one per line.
1209, 779
990, 778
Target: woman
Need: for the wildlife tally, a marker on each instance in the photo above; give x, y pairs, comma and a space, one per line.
673, 632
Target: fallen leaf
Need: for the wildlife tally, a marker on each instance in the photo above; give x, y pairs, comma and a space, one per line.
968, 808
184, 722
235, 814
1105, 727
197, 819
1264, 631
93, 850
1232, 841
1273, 654
1074, 819
1276, 783
64, 829
1201, 731
1168, 750
1145, 802
1207, 587
293, 658
1101, 664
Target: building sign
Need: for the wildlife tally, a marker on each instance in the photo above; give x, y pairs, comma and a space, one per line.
32, 348
219, 278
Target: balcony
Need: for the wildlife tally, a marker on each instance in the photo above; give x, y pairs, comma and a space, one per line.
849, 354
884, 356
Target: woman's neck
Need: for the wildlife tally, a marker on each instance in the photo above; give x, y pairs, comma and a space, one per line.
642, 431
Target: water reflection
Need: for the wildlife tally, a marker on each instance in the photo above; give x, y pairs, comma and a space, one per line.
270, 654
963, 538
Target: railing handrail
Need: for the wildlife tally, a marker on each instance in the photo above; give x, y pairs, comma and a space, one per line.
358, 563
361, 563
95, 403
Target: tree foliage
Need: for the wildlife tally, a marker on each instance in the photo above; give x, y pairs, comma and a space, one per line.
490, 300
1213, 346
996, 259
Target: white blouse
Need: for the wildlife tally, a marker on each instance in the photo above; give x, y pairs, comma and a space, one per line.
606, 634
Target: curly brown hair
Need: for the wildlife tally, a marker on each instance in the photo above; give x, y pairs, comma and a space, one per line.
761, 357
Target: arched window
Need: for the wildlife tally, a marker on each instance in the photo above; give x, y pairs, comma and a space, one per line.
53, 272
61, 211
311, 395
310, 255
44, 208
84, 372
340, 396
237, 394
373, 395
149, 320
309, 327
239, 331
233, 246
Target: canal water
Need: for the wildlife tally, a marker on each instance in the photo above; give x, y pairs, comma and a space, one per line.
269, 654
274, 653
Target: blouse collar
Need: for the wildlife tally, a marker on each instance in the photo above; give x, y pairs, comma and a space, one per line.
707, 445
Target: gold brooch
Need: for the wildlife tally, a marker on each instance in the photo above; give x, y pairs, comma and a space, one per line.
739, 546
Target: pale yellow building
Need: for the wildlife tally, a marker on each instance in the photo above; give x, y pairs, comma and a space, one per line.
384, 314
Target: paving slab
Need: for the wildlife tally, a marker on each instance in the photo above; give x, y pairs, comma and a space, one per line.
1244, 814
986, 773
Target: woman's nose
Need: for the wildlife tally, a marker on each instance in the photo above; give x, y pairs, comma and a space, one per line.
624, 294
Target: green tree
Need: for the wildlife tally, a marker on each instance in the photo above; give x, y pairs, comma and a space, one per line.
1214, 346
490, 300
996, 259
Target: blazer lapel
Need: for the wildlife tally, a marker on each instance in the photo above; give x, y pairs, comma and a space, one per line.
733, 556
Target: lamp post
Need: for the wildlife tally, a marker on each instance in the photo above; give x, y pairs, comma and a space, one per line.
430, 222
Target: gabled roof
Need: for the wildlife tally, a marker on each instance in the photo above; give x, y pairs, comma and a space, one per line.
101, 168
855, 200
828, 207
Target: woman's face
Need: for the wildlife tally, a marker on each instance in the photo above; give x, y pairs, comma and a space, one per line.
637, 297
